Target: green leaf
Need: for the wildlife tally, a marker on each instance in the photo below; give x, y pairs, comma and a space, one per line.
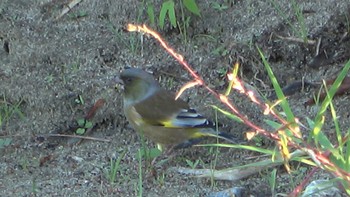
171, 14
5, 142
81, 122
150, 13
219, 7
191, 6
115, 167
284, 104
326, 102
150, 153
228, 114
88, 124
192, 164
189, 163
80, 131
167, 7
273, 124
347, 152
162, 15
154, 152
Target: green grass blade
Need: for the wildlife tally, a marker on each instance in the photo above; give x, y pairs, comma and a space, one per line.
319, 119
284, 104
150, 13
192, 6
228, 114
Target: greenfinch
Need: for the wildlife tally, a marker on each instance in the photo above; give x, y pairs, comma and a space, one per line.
154, 112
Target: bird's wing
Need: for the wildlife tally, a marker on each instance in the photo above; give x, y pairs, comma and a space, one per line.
190, 118
162, 109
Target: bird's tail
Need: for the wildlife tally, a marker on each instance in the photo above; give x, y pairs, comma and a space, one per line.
211, 132
188, 143
222, 135
228, 137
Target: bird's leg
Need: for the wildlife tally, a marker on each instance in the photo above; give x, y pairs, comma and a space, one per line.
166, 153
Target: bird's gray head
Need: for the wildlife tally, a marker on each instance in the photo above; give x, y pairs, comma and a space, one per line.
138, 84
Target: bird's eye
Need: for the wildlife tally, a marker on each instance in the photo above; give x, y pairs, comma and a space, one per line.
128, 80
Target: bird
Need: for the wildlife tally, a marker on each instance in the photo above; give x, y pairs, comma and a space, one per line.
154, 112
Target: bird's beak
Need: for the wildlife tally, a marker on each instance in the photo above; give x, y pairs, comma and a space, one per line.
118, 80
119, 84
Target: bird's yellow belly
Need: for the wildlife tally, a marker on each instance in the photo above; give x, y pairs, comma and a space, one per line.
167, 136
159, 134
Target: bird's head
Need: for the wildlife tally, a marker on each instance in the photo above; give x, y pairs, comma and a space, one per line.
138, 84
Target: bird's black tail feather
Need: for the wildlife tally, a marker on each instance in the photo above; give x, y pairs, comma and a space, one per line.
228, 137
188, 143
222, 135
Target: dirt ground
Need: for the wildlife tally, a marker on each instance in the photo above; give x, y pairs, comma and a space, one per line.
55, 69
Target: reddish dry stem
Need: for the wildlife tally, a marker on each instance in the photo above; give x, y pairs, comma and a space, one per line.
99, 103
324, 160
